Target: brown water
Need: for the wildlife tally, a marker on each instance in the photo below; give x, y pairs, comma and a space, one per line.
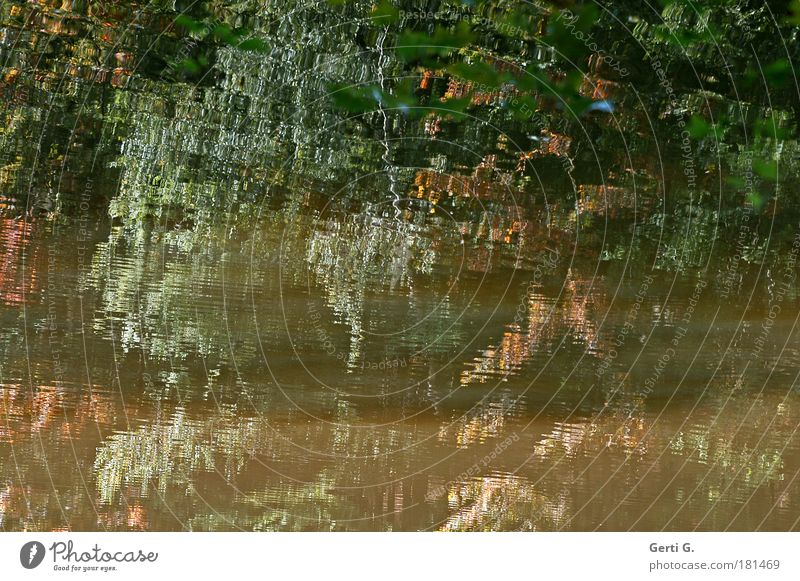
325, 373
224, 309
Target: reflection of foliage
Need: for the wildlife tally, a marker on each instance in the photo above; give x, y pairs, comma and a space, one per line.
226, 137
145, 300
366, 252
297, 507
506, 503
691, 64
194, 62
173, 452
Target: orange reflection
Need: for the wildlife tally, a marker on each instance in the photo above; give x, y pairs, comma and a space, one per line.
16, 282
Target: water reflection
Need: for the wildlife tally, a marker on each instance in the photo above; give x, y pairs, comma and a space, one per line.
226, 307
16, 282
317, 385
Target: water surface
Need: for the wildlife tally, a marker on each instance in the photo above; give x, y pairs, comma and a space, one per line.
226, 308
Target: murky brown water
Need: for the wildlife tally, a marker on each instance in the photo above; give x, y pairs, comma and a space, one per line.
224, 309
320, 375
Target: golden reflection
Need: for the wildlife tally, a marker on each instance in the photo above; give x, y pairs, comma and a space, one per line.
474, 428
503, 502
544, 321
18, 278
484, 183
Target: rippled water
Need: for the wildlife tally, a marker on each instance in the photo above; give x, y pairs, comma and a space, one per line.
216, 319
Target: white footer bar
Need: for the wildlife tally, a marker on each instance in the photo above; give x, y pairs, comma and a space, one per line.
406, 556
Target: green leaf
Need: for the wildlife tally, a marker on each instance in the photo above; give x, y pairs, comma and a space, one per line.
531, 79
578, 104
769, 129
355, 99
253, 44
190, 24
756, 200
417, 46
524, 107
189, 66
766, 169
480, 73
698, 128
226, 34
454, 107
569, 32
384, 12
